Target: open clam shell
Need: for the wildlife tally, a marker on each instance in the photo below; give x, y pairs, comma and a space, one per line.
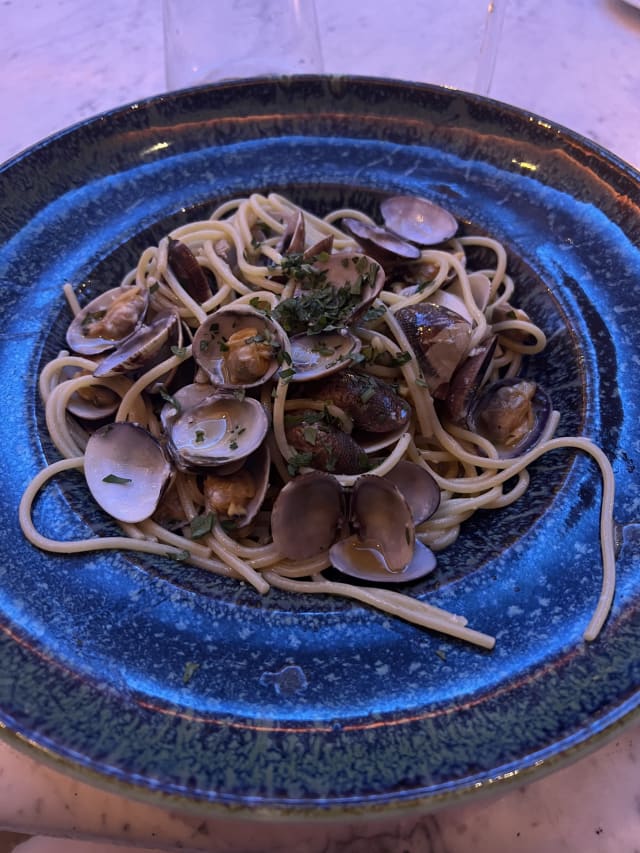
360, 275
237, 496
383, 549
418, 220
439, 338
126, 470
331, 292
468, 379
379, 243
217, 430
97, 401
108, 319
315, 356
512, 414
418, 488
145, 347
307, 515
238, 347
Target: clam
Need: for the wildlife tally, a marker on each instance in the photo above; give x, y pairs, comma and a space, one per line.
184, 265
97, 401
292, 241
307, 515
239, 347
108, 319
468, 379
440, 340
238, 496
126, 470
418, 488
453, 302
372, 403
480, 287
322, 247
216, 430
512, 414
321, 445
148, 345
418, 220
383, 547
330, 292
379, 243
314, 356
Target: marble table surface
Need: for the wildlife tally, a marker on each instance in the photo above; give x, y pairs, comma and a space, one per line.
574, 62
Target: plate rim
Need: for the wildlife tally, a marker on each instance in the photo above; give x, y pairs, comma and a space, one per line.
430, 801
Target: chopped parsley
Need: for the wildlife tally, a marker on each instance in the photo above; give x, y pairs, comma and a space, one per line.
310, 434
189, 671
178, 556
287, 375
260, 305
318, 306
171, 400
201, 525
297, 461
119, 481
367, 394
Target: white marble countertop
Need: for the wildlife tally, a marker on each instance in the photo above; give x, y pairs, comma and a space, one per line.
574, 62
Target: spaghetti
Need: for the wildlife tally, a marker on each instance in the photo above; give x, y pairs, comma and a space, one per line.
245, 253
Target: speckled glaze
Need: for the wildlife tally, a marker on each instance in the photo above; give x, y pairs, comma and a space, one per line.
153, 676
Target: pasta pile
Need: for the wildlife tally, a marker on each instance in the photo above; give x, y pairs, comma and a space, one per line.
241, 247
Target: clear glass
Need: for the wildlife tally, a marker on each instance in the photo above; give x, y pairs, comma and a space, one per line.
210, 40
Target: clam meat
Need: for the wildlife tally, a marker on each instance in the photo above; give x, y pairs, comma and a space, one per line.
239, 347
108, 319
512, 414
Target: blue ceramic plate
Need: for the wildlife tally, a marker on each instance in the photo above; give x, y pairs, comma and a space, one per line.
159, 680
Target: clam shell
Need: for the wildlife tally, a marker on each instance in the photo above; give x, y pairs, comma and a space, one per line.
188, 271
418, 488
126, 471
315, 356
486, 415
218, 430
148, 345
383, 549
211, 351
418, 220
379, 243
328, 448
127, 304
307, 515
371, 402
439, 338
257, 467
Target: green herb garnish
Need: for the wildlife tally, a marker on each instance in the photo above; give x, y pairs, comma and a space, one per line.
201, 525
189, 671
297, 461
119, 481
171, 400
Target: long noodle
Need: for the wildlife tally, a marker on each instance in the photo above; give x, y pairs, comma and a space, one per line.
241, 247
